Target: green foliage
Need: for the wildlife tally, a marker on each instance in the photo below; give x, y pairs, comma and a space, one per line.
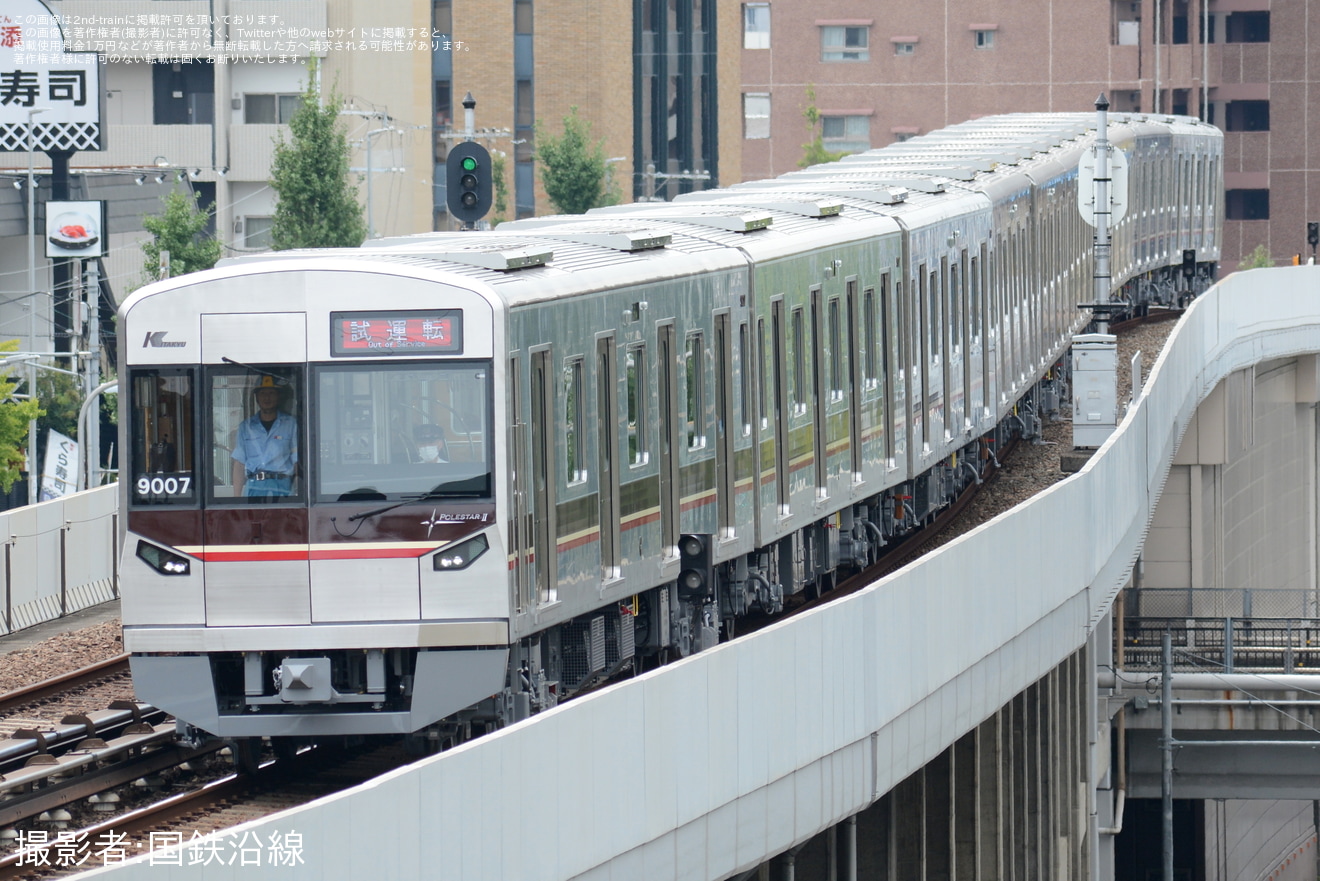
181, 230
60, 397
14, 419
573, 170
500, 183
814, 152
317, 207
1258, 259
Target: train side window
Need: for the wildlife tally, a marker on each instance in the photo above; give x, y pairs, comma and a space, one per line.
162, 414
575, 467
763, 408
797, 393
869, 324
836, 351
695, 378
634, 360
745, 379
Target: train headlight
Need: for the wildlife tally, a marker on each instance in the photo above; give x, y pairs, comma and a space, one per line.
461, 555
163, 561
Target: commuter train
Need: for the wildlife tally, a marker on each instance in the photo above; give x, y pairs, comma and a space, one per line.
513, 461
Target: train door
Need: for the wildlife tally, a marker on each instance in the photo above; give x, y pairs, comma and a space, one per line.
921, 381
668, 403
953, 398
724, 423
854, 380
520, 528
544, 548
780, 366
607, 446
819, 392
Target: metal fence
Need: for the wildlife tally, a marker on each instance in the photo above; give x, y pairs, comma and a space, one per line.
1225, 645
1185, 602
59, 556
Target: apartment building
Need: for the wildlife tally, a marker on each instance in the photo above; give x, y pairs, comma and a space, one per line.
657, 81
884, 72
194, 94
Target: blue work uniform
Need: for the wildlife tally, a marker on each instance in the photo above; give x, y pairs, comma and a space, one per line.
269, 457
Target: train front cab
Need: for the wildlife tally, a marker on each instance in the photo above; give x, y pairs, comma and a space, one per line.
354, 582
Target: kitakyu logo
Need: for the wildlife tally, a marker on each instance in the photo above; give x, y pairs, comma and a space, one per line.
156, 340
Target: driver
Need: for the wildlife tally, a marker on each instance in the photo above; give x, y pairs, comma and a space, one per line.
266, 445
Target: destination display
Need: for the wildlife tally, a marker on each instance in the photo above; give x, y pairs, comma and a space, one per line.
397, 333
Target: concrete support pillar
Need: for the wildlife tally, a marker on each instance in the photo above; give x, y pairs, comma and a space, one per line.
965, 802
990, 799
908, 818
1034, 797
1016, 759
939, 816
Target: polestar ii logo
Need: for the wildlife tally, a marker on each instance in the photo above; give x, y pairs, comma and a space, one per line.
156, 339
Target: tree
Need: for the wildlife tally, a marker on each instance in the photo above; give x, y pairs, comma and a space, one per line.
1258, 259
814, 152
317, 207
14, 419
574, 171
181, 230
501, 186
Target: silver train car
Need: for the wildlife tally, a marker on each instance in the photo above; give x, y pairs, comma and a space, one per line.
446, 480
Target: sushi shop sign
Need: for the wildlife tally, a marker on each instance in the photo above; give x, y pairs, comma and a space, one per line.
55, 93
74, 229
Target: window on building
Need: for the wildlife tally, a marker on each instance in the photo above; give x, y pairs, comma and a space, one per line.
256, 232
845, 43
182, 94
523, 113
444, 102
1247, 116
905, 48
268, 109
1247, 204
847, 134
1247, 27
756, 25
442, 16
984, 39
522, 16
901, 136
756, 115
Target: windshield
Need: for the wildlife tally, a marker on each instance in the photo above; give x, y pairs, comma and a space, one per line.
390, 432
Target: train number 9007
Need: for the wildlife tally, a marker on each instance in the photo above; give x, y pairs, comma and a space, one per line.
163, 486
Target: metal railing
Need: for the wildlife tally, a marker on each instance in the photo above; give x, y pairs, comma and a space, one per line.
1228, 644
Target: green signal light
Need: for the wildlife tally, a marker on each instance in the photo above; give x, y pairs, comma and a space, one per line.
469, 163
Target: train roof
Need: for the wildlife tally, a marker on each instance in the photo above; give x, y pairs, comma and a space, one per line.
863, 195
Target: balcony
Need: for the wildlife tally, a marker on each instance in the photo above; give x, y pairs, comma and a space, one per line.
137, 146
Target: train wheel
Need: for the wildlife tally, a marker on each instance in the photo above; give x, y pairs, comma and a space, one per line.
247, 754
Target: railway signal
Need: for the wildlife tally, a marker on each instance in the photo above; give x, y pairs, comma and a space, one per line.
696, 577
1313, 236
469, 184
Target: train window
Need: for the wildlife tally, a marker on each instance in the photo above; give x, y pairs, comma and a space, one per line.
763, 409
257, 433
161, 437
695, 378
868, 338
797, 393
634, 361
575, 468
402, 431
745, 379
836, 351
